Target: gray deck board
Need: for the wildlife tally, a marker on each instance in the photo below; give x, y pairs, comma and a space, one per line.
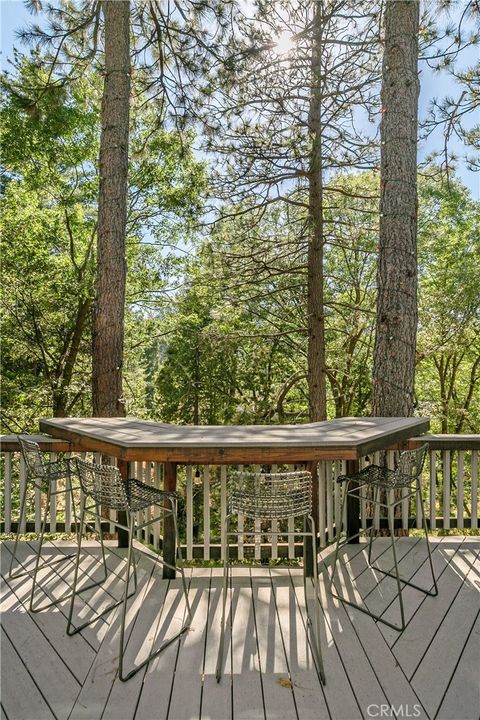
21, 697
268, 668
462, 697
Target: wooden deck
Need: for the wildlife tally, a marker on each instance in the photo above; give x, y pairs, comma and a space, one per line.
431, 670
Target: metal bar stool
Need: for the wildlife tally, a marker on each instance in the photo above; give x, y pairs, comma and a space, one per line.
102, 485
43, 476
379, 486
270, 496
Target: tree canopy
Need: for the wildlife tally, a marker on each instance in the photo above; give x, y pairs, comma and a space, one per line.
253, 213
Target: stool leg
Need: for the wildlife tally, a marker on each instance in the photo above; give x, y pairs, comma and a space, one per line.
425, 527
130, 522
39, 553
317, 651
23, 503
376, 492
337, 546
77, 565
391, 526
226, 561
180, 565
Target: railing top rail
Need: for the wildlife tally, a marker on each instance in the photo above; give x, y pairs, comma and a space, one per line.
447, 442
9, 443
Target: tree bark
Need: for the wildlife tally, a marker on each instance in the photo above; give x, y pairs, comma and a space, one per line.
109, 310
316, 319
396, 324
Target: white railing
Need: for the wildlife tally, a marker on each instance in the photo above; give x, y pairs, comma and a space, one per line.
450, 490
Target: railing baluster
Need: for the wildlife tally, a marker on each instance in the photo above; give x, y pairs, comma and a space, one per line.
291, 529
433, 490
206, 512
363, 502
320, 480
474, 515
157, 482
460, 479
376, 511
338, 498
68, 508
328, 484
189, 505
446, 474
38, 507
53, 502
240, 529
257, 539
112, 514
223, 508
23, 482
7, 500
274, 537
418, 507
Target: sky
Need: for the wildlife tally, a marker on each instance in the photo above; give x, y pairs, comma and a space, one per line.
14, 15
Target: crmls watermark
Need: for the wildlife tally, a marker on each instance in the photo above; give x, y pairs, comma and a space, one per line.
392, 711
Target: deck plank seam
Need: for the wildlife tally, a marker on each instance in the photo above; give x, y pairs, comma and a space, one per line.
409, 578
382, 639
115, 612
178, 644
257, 644
477, 554
2, 629
425, 597
456, 665
277, 615
39, 628
202, 687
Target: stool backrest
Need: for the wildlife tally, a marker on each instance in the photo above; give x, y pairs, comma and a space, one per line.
103, 483
32, 456
271, 495
410, 462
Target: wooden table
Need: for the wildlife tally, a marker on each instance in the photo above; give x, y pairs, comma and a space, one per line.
131, 439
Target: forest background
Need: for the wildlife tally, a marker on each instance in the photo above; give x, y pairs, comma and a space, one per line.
216, 327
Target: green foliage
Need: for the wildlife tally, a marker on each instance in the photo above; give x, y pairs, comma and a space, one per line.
49, 207
233, 342
449, 296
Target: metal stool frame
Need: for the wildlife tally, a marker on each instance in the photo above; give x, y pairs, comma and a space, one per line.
269, 496
43, 476
104, 485
378, 479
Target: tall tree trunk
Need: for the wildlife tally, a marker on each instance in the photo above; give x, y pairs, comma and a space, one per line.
396, 325
316, 319
109, 310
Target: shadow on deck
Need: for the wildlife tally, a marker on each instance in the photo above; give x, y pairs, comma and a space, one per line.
431, 670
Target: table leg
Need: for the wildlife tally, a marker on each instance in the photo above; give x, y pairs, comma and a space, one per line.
122, 535
307, 546
353, 507
169, 540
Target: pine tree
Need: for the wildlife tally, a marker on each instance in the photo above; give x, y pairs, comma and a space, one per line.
396, 321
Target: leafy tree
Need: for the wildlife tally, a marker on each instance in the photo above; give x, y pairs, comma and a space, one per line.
282, 120
49, 203
449, 331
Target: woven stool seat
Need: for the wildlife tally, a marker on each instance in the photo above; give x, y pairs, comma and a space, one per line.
380, 476
271, 495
